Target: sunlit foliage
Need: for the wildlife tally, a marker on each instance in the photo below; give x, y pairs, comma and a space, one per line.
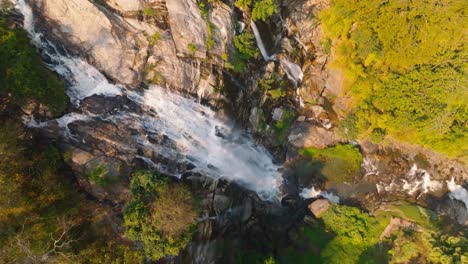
160, 215
405, 65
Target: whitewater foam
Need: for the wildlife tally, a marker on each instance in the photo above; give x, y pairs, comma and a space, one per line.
307, 193
458, 192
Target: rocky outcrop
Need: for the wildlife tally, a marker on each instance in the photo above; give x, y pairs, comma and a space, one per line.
305, 135
127, 6
395, 159
106, 39
166, 49
223, 31
188, 28
319, 207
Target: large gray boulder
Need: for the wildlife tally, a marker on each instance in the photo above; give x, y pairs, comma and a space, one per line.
108, 41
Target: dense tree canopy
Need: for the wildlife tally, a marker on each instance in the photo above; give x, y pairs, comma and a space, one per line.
405, 65
22, 72
160, 215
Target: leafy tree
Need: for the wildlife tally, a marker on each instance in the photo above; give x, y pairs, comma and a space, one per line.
355, 232
159, 215
245, 50
243, 4
404, 63
263, 9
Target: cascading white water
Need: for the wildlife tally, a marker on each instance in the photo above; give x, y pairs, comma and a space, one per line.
293, 71
85, 80
260, 44
214, 147
458, 192
424, 184
307, 193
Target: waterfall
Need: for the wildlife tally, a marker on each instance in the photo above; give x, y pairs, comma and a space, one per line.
260, 44
84, 81
458, 192
198, 136
419, 180
307, 193
293, 71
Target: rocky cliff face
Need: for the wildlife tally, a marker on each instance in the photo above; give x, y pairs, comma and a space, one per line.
144, 41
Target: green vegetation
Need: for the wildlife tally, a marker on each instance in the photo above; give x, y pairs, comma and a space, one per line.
100, 176
243, 4
355, 232
420, 247
154, 75
413, 213
254, 257
205, 15
263, 9
150, 12
405, 65
227, 64
312, 239
245, 50
337, 164
348, 235
22, 73
192, 48
276, 93
160, 215
153, 39
42, 217
282, 126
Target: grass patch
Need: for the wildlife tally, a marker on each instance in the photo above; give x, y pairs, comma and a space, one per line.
338, 164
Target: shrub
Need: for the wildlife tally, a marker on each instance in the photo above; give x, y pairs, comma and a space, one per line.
192, 48
245, 50
150, 12
205, 15
245, 45
378, 134
153, 39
